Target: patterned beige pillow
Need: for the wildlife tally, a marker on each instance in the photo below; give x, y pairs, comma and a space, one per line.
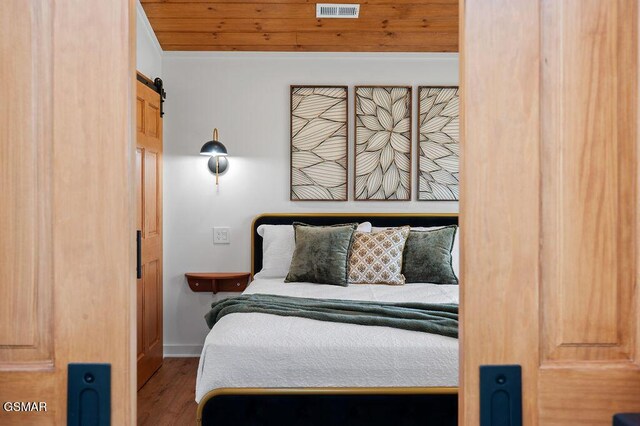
376, 258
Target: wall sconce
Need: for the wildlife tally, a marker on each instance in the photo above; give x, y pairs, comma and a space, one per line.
218, 162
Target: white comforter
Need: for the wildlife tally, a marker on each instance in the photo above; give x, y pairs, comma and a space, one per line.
260, 350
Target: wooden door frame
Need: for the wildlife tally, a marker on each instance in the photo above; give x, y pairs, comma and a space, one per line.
509, 184
71, 78
95, 42
525, 204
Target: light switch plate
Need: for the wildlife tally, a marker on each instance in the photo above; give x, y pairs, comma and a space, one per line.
221, 235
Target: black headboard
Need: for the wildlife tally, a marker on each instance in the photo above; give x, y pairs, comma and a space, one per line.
376, 219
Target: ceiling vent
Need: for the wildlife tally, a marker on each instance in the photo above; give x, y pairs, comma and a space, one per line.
334, 10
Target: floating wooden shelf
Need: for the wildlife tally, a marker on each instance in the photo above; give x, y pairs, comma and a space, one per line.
215, 282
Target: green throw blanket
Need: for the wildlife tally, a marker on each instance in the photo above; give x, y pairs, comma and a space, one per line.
425, 317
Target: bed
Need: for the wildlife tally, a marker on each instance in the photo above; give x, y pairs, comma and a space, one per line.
264, 369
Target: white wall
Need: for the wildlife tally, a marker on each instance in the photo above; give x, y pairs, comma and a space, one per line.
148, 50
246, 95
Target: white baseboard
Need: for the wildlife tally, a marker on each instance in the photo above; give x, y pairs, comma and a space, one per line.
182, 351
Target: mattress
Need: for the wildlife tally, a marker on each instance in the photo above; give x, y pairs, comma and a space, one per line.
268, 351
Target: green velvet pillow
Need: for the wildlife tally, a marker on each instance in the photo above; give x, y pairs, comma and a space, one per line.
321, 254
427, 256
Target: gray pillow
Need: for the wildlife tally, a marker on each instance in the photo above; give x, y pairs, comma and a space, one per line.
427, 256
321, 254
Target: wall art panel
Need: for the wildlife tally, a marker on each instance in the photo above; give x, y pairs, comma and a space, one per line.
438, 143
319, 143
383, 143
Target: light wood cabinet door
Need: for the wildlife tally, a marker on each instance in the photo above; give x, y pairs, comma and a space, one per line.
549, 205
149, 222
66, 202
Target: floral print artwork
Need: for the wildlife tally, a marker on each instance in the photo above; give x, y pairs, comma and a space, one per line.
318, 143
438, 143
383, 143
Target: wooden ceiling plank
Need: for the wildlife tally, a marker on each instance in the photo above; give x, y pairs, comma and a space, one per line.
304, 48
238, 39
288, 25
362, 3
290, 11
376, 38
310, 39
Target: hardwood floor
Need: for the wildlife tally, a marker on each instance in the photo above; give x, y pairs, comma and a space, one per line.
168, 398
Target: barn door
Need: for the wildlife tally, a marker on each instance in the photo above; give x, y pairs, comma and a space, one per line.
550, 205
66, 207
149, 224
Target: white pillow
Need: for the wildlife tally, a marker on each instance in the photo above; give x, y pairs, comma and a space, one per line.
455, 250
364, 227
278, 245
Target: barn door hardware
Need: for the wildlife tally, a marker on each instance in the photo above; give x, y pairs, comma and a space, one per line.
500, 395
